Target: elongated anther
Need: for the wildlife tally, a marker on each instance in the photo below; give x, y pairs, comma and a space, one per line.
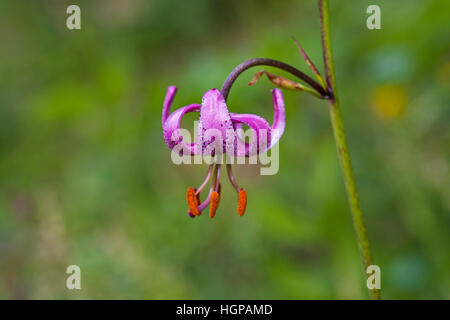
215, 199
242, 202
192, 201
198, 201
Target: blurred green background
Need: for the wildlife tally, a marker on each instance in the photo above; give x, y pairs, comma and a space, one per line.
86, 178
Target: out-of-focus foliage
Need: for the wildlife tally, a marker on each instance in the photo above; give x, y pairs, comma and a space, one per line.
86, 179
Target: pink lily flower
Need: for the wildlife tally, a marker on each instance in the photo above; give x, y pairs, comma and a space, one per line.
218, 133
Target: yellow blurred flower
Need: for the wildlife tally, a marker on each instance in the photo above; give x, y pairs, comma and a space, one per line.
389, 101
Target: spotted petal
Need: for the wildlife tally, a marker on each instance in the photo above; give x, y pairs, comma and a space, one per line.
170, 94
215, 130
171, 124
261, 134
277, 129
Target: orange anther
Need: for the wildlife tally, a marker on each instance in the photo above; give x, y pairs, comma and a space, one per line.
214, 204
192, 201
242, 202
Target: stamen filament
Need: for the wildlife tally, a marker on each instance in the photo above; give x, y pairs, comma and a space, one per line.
214, 178
208, 176
231, 178
205, 203
217, 178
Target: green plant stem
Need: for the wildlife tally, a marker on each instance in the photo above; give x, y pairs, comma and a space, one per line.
341, 144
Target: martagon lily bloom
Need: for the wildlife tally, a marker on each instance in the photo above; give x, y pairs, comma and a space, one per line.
226, 139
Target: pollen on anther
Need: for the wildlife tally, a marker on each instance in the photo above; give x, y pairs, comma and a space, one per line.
192, 201
242, 202
215, 199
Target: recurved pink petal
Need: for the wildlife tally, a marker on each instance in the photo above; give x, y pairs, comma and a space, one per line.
170, 94
261, 134
279, 116
171, 128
